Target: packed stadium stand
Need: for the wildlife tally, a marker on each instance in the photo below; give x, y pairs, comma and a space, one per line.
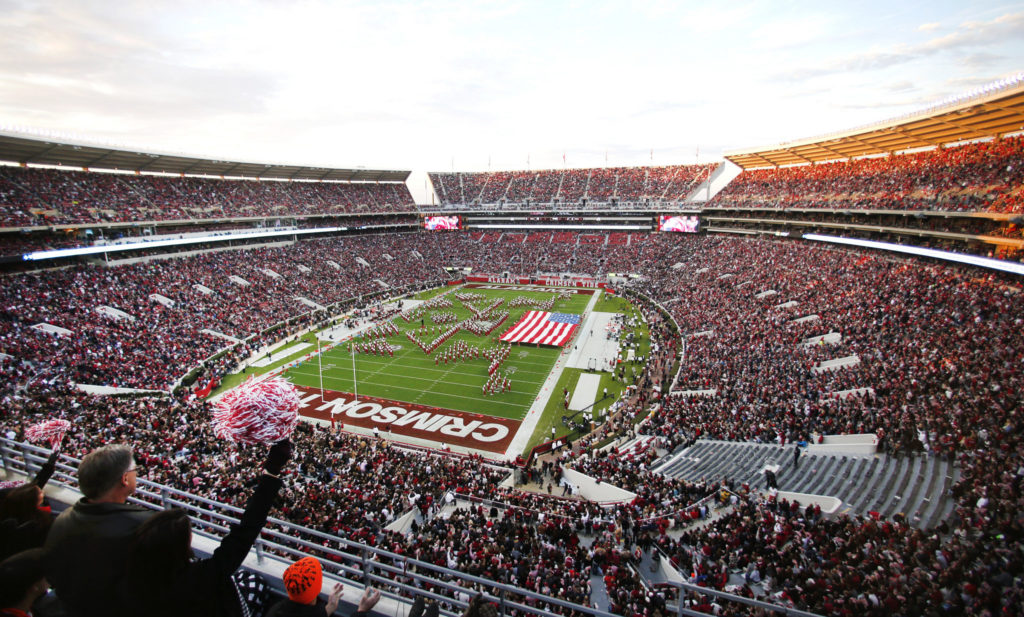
907, 324
983, 176
36, 196
600, 187
764, 344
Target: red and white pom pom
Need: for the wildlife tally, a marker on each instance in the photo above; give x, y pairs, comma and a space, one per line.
262, 412
51, 431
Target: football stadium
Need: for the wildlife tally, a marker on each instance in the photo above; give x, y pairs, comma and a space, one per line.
787, 381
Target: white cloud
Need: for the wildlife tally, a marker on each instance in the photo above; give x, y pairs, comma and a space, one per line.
400, 84
993, 33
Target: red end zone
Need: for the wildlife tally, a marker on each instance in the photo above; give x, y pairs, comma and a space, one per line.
447, 426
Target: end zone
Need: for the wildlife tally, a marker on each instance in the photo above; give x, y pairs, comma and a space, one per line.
441, 426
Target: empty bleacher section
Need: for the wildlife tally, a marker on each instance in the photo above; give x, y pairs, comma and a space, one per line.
594, 187
981, 176
914, 487
37, 196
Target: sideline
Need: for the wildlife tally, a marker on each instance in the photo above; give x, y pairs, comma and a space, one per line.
518, 444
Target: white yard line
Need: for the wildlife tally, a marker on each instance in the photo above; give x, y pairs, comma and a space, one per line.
328, 380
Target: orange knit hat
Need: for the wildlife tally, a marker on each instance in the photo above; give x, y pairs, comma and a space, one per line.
303, 580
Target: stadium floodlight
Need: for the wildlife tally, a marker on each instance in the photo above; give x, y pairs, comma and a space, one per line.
971, 260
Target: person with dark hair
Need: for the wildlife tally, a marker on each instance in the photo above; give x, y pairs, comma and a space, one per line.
22, 582
87, 544
480, 607
24, 522
25, 517
303, 580
420, 608
161, 577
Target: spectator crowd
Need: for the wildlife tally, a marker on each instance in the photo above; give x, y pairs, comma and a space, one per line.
979, 176
38, 196
939, 372
623, 185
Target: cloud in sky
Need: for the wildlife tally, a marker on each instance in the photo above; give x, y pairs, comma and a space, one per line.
968, 36
409, 85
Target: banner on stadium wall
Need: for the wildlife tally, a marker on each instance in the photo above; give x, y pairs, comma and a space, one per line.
573, 282
575, 290
544, 280
508, 280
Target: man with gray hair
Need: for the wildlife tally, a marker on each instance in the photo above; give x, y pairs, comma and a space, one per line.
87, 544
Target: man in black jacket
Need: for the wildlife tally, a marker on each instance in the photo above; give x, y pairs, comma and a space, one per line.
88, 542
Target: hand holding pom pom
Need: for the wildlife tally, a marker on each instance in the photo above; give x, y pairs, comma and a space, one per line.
277, 457
51, 431
263, 412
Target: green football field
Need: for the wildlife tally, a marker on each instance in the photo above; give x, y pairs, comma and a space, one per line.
412, 376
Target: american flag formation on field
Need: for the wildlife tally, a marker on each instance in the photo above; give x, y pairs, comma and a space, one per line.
543, 328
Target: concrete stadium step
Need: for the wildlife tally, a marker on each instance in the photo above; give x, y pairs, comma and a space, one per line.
709, 461
923, 487
672, 460
862, 476
808, 469
876, 476
789, 477
932, 502
941, 507
823, 476
835, 485
948, 503
848, 483
819, 474
762, 456
714, 460
700, 455
686, 461
599, 593
888, 492
903, 492
878, 497
635, 445
722, 463
807, 472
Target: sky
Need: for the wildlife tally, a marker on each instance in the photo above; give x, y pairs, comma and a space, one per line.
471, 86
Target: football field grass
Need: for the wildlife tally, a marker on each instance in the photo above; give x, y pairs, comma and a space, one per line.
413, 376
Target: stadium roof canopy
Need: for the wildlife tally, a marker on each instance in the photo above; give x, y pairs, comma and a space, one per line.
28, 149
995, 111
